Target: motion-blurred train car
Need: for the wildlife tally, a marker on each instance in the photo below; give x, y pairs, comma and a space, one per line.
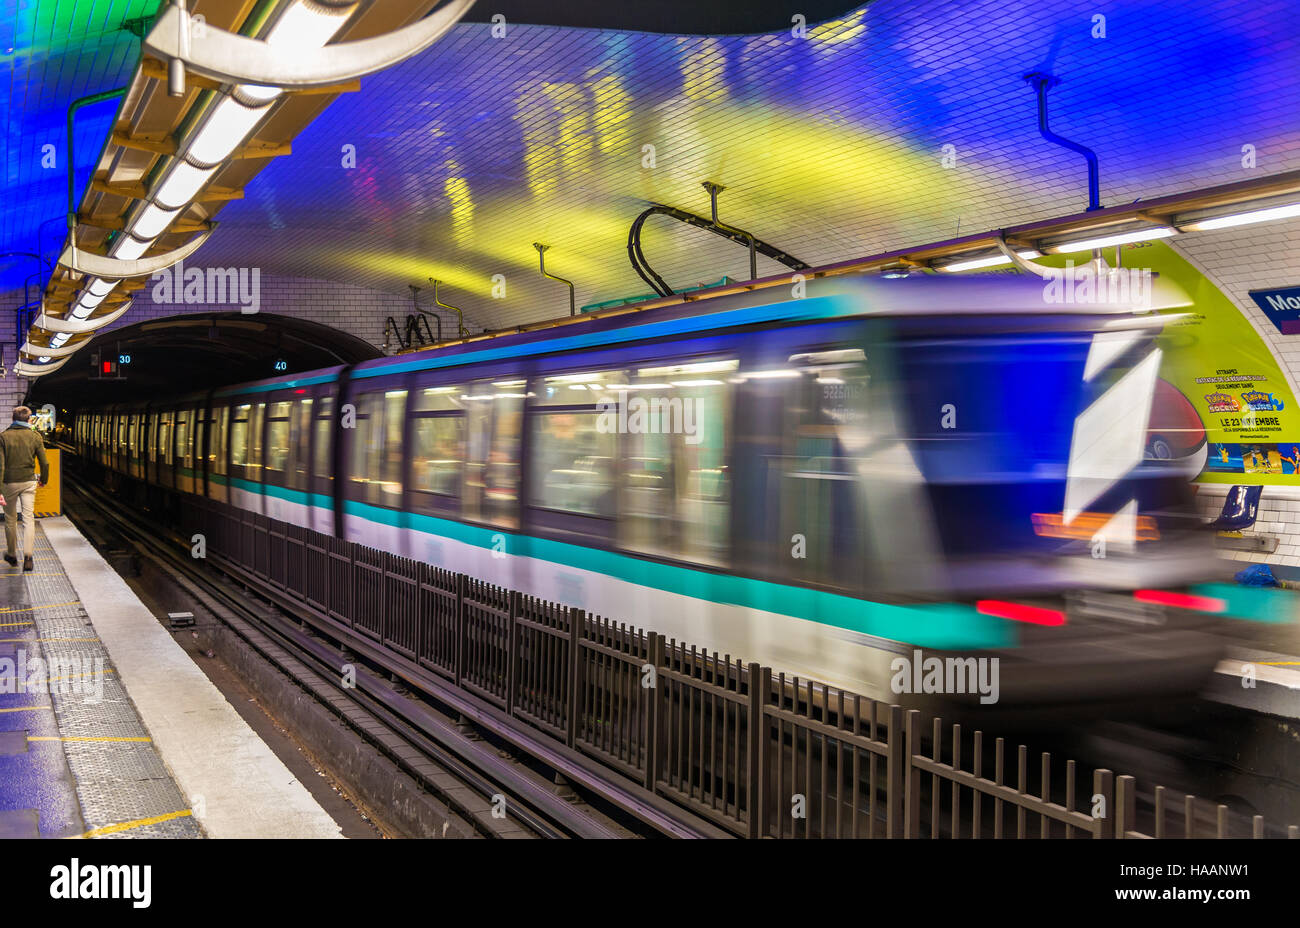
824, 484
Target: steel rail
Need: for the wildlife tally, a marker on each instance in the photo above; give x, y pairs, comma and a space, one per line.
474, 764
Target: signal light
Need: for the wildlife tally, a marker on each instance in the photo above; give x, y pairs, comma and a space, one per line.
1018, 612
1182, 600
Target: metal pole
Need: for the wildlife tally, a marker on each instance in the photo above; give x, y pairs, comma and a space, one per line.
541, 263
72, 112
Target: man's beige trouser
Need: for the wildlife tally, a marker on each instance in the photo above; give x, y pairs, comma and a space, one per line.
24, 494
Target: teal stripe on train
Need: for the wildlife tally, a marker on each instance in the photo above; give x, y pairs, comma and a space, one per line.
942, 625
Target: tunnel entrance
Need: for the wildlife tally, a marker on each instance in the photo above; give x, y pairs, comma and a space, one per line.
195, 351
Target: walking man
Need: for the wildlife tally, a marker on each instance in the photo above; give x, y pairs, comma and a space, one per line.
21, 447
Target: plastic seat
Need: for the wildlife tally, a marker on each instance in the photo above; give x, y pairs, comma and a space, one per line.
1239, 509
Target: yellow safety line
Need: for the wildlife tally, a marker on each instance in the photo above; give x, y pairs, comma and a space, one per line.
25, 708
1281, 663
14, 624
80, 738
138, 823
20, 640
75, 602
75, 676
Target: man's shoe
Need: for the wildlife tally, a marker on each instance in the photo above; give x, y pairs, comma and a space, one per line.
11, 559
27, 564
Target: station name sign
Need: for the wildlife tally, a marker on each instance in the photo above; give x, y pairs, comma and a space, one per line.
1282, 306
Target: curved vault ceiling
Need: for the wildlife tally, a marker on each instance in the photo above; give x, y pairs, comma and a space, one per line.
831, 145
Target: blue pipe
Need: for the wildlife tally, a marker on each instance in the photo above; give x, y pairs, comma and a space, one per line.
1042, 82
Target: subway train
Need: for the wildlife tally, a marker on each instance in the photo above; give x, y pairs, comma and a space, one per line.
835, 482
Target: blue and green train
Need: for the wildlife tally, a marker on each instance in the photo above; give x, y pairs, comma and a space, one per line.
823, 481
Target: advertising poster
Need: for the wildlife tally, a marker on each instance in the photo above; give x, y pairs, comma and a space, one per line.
1223, 400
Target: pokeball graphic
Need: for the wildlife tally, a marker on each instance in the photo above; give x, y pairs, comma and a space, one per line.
1175, 433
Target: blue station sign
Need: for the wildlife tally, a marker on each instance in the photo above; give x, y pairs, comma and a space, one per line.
1282, 306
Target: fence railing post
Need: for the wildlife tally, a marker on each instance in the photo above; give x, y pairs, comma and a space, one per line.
577, 624
653, 715
912, 787
512, 650
1125, 805
760, 689
895, 767
1103, 788
458, 629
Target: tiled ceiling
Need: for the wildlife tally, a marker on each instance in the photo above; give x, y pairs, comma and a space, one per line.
54, 52
831, 144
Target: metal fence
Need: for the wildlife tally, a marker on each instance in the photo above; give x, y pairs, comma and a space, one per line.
755, 752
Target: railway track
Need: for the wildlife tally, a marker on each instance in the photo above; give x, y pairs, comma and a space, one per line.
485, 772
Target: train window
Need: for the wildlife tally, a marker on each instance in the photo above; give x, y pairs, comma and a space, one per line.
574, 442
239, 436
675, 497
301, 437
164, 438
277, 437
493, 430
322, 464
438, 440
182, 430
217, 441
255, 421
811, 485
376, 465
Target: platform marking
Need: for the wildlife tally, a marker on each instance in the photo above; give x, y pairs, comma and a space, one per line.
77, 676
25, 708
15, 624
22, 640
81, 738
138, 823
75, 602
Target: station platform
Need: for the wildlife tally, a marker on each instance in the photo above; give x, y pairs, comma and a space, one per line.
109, 729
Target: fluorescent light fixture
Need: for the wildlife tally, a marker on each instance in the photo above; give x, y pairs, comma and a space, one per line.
129, 248
1108, 241
304, 26
101, 287
225, 129
1288, 211
82, 312
697, 383
59, 340
998, 260
767, 375
257, 93
152, 220
182, 184
89, 300
497, 383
